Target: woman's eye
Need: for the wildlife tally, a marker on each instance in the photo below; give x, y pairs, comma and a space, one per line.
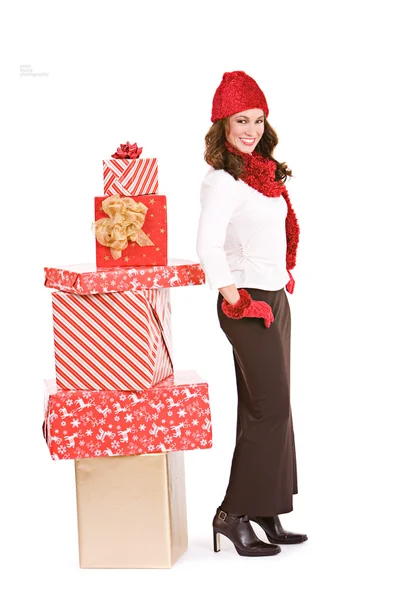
244, 122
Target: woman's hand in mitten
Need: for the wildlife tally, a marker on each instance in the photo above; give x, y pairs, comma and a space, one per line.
247, 307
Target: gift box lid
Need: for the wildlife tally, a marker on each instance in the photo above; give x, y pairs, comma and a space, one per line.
87, 279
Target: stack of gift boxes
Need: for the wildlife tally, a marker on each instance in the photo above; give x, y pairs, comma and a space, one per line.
116, 406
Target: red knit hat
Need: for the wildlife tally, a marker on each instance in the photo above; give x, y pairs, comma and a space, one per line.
237, 91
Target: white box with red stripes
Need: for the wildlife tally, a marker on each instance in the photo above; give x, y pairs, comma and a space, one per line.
112, 341
112, 327
130, 177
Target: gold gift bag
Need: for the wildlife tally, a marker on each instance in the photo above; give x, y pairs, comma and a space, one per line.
131, 510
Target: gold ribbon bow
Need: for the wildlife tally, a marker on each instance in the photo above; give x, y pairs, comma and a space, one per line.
126, 218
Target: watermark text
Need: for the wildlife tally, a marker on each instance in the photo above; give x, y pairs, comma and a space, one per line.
27, 71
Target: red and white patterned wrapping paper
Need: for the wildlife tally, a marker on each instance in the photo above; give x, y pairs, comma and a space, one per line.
130, 176
86, 279
172, 415
118, 341
155, 227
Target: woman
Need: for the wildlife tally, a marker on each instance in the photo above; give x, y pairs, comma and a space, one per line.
247, 242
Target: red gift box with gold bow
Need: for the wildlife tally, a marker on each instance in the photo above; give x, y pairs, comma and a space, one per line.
130, 230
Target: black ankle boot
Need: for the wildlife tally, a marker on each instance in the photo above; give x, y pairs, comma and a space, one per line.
275, 532
238, 529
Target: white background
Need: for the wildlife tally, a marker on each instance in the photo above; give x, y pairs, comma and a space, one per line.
146, 72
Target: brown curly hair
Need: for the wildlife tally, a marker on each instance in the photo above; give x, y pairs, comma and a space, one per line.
218, 156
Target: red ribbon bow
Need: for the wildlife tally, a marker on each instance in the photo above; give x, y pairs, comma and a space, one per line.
127, 151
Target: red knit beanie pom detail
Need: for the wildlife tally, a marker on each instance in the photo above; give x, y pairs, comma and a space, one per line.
236, 92
235, 311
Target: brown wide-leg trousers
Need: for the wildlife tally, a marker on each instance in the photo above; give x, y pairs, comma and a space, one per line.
263, 474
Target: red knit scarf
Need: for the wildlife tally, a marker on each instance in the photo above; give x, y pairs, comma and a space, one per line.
259, 174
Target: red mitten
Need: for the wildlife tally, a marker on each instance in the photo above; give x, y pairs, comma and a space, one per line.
247, 307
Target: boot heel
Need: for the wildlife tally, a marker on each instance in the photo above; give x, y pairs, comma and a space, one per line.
217, 540
238, 530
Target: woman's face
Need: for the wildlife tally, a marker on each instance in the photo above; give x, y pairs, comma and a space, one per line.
246, 129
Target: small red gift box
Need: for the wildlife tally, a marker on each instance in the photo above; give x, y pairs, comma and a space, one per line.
130, 230
130, 177
172, 415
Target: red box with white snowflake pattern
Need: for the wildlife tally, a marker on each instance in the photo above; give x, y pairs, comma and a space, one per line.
87, 279
172, 415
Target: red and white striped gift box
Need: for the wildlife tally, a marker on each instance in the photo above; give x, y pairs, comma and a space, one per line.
130, 176
117, 341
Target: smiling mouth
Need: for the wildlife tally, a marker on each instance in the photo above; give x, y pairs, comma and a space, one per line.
247, 141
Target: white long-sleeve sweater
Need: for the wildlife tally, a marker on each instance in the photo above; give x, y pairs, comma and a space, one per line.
241, 236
